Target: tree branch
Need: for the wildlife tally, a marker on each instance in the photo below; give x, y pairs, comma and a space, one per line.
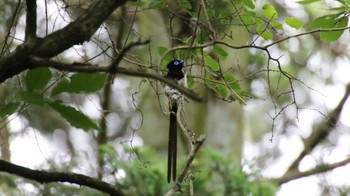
320, 133
124, 51
265, 47
47, 177
316, 170
306, 33
85, 67
74, 33
77, 31
30, 31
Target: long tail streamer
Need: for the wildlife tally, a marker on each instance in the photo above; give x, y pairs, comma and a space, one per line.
172, 145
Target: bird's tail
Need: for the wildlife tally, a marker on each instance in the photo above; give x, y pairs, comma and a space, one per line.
172, 145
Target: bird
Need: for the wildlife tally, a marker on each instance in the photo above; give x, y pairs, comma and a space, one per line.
176, 73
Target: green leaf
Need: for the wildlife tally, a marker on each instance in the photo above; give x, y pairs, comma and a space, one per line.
62, 86
249, 95
8, 109
264, 32
334, 35
305, 2
248, 20
74, 117
190, 82
221, 90
185, 4
249, 3
156, 4
329, 22
277, 25
81, 83
232, 82
294, 22
345, 3
323, 21
31, 97
107, 149
210, 62
37, 78
341, 8
236, 93
161, 50
259, 22
269, 11
221, 52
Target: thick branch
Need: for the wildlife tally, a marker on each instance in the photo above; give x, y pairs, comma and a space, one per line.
318, 169
30, 32
47, 177
74, 33
85, 67
79, 30
321, 132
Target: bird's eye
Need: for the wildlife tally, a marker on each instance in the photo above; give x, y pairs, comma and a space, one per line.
176, 62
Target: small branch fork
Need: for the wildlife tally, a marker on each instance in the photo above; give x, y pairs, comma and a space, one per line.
47, 177
317, 136
195, 146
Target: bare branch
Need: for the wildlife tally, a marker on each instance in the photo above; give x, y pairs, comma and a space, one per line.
306, 33
316, 170
30, 31
265, 48
74, 33
128, 47
321, 132
211, 43
47, 177
77, 31
15, 17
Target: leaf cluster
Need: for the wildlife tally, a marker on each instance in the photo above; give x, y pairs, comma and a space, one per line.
42, 91
213, 175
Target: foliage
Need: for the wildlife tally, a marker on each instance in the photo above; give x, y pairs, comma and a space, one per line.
213, 175
215, 77
224, 176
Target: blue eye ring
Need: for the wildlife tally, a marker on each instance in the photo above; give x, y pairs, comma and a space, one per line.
178, 62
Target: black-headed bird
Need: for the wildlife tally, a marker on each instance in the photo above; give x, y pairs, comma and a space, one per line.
174, 96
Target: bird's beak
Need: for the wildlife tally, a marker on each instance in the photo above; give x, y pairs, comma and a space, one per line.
182, 61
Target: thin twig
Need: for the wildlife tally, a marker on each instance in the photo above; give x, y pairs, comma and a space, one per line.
190, 157
320, 132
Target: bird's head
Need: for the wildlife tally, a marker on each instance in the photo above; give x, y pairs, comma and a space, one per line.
175, 65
